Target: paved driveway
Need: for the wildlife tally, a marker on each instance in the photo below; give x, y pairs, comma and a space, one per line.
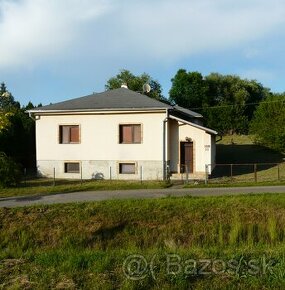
137, 194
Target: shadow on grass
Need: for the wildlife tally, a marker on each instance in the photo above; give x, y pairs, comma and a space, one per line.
243, 158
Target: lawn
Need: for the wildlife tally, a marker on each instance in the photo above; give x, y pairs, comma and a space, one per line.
240, 240
46, 186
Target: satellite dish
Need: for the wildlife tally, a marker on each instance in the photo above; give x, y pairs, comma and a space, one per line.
146, 88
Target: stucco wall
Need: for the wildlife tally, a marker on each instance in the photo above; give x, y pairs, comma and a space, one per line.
99, 148
201, 145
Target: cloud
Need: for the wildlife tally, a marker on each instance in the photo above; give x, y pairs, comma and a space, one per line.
104, 32
33, 31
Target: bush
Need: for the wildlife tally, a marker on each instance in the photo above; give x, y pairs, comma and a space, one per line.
10, 171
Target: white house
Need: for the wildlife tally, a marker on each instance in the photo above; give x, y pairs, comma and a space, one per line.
121, 134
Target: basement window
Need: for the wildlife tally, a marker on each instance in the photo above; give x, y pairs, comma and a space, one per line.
68, 134
127, 168
130, 134
71, 167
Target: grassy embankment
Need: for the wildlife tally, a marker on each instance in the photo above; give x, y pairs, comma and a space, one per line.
240, 149
83, 246
45, 186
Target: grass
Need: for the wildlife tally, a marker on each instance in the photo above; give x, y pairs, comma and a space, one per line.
45, 186
83, 246
240, 151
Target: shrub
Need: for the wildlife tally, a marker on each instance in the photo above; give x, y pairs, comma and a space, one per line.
10, 171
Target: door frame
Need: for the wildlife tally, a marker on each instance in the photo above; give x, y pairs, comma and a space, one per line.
182, 156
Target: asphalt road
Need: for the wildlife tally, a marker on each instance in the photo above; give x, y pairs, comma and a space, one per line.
135, 194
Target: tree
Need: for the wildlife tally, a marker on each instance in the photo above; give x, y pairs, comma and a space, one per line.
188, 90
6, 99
268, 123
17, 130
135, 83
227, 102
4, 120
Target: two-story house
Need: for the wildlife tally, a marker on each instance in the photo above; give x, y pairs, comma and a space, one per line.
121, 134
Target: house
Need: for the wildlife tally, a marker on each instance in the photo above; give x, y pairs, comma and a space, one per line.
121, 134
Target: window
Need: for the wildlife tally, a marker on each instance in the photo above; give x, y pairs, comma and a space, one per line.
71, 167
130, 134
127, 168
68, 134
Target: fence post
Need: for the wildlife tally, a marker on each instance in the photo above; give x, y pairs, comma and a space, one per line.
278, 171
54, 176
25, 176
110, 172
255, 172
141, 174
206, 173
81, 174
187, 174
231, 172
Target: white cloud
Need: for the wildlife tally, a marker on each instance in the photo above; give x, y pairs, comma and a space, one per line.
33, 32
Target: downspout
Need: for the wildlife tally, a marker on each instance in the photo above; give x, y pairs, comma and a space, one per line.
31, 116
164, 145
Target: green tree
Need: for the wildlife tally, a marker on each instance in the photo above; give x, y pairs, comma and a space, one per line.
136, 83
6, 98
268, 124
188, 90
227, 102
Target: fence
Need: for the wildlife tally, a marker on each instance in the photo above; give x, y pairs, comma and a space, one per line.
250, 172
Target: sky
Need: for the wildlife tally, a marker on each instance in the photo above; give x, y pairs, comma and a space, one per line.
53, 50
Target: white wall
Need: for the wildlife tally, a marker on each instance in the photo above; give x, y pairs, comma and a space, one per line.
99, 136
201, 145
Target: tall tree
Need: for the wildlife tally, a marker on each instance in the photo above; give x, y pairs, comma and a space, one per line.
6, 98
136, 83
189, 89
268, 123
226, 101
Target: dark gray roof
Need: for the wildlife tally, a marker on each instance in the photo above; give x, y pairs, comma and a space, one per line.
187, 112
121, 98
117, 99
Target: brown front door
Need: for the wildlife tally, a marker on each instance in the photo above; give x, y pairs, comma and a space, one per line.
186, 156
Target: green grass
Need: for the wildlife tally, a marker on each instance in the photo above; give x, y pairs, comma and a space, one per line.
45, 186
240, 149
83, 246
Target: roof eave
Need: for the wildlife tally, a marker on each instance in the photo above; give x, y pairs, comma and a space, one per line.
96, 110
208, 130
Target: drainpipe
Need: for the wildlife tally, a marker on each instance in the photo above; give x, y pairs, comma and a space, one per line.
31, 116
164, 145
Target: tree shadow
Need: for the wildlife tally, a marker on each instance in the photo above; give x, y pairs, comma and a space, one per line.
243, 158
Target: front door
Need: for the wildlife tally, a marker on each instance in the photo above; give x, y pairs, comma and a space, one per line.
186, 157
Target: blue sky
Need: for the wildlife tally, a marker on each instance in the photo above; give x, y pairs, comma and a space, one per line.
60, 49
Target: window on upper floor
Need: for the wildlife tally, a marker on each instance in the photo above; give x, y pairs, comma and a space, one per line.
130, 134
69, 134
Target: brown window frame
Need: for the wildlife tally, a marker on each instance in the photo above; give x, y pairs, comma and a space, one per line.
69, 126
71, 171
133, 139
121, 164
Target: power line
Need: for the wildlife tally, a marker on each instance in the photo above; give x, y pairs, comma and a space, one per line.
249, 104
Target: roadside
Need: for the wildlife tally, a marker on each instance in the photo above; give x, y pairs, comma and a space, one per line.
86, 196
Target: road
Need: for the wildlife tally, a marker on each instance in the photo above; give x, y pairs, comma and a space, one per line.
135, 194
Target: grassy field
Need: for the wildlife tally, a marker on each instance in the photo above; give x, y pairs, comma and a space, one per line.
240, 151
45, 186
84, 246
